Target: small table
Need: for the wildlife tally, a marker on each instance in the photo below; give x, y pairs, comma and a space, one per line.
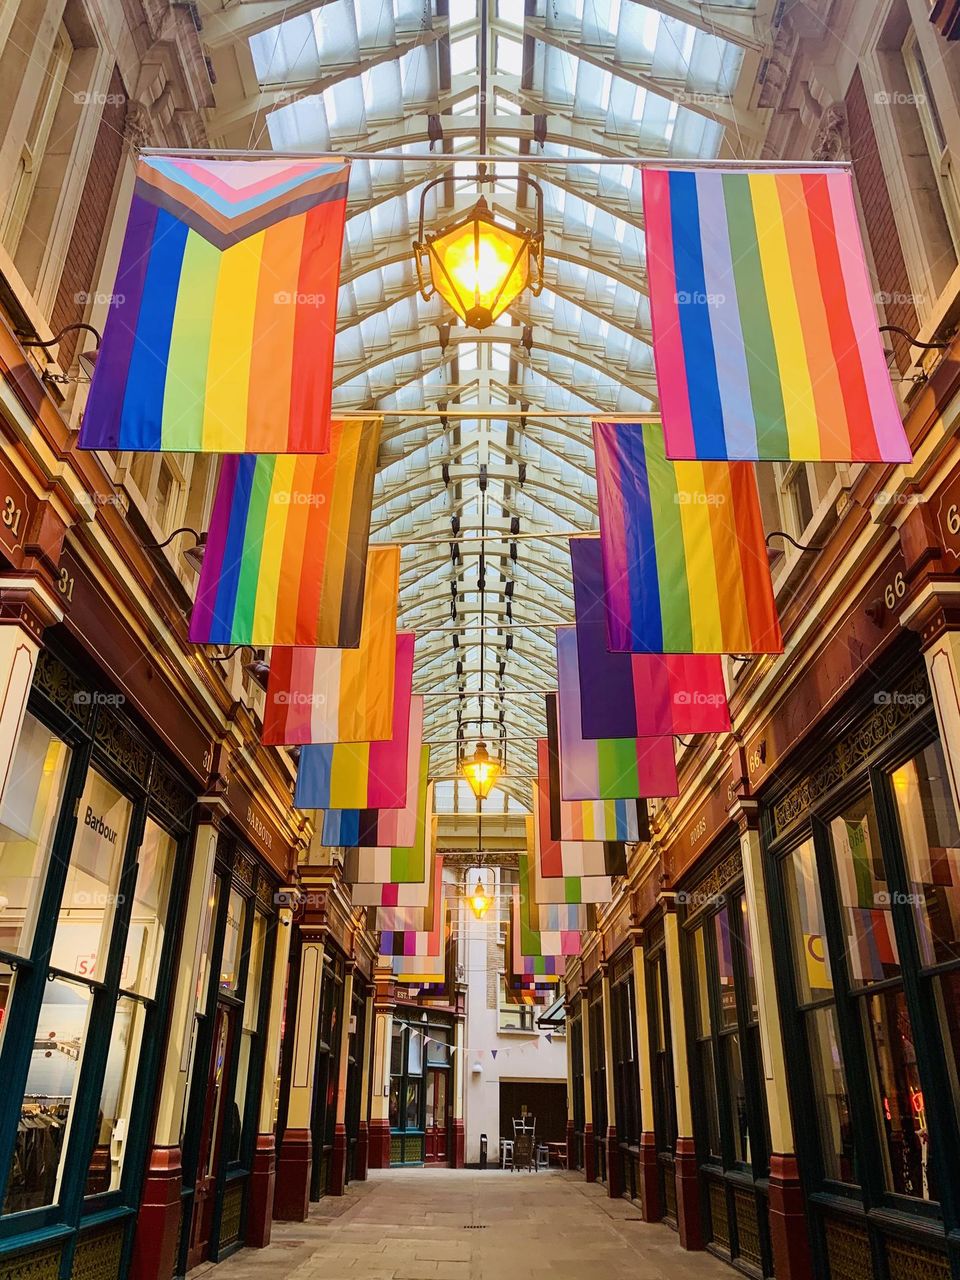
557, 1152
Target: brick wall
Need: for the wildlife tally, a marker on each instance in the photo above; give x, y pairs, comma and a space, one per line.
84, 251
891, 269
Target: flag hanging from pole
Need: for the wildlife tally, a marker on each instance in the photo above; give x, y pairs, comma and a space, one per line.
577, 849
765, 332
221, 327
382, 829
285, 561
685, 565
360, 775
637, 695
575, 888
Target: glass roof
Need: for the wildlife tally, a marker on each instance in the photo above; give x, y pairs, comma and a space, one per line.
610, 78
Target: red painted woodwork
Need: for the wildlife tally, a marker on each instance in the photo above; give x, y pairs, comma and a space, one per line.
337, 1177
379, 1144
262, 1186
438, 1107
571, 1139
786, 1211
291, 1197
650, 1197
945, 16
361, 1158
589, 1154
614, 1164
158, 1222
689, 1216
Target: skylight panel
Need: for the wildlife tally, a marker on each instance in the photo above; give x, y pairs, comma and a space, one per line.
508, 56
463, 56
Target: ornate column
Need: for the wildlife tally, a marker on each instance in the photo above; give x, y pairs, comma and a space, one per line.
457, 1154
338, 1157
27, 607
363, 1129
292, 1190
789, 1239
614, 1162
689, 1217
158, 1222
650, 1197
380, 1076
263, 1174
589, 1150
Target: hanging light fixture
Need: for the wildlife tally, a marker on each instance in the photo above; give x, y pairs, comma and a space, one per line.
480, 901
481, 771
477, 265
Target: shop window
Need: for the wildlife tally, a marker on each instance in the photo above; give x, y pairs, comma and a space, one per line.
90, 897
156, 861
116, 1098
705, 1059
406, 1079
231, 955
47, 1108
871, 945
28, 819
814, 984
661, 1048
627, 1080
248, 1033
438, 1047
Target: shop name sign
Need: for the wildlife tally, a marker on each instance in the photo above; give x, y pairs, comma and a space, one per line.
97, 824
259, 827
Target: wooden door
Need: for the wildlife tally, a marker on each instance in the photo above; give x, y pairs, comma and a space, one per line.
435, 1136
211, 1139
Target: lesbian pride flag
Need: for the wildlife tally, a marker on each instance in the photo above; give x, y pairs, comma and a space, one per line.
764, 328
221, 327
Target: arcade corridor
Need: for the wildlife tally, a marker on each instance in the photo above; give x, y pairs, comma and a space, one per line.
413, 1226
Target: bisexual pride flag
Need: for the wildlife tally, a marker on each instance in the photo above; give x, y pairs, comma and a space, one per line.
764, 328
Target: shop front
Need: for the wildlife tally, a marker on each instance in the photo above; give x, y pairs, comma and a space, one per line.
421, 1087
94, 842
862, 844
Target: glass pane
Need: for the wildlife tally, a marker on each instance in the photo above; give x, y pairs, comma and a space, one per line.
415, 1053
903, 1118
116, 1098
830, 1088
411, 1111
145, 939
811, 964
754, 1009
395, 1102
440, 1099
867, 919
235, 1132
438, 1046
221, 1045
90, 896
712, 1115
396, 1051
28, 819
931, 840
251, 1001
736, 1097
45, 1113
205, 972
232, 938
703, 990
728, 990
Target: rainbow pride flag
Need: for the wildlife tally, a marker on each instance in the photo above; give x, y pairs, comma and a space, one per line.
286, 556
602, 768
341, 695
637, 695
764, 328
685, 566
221, 327
609, 823
361, 775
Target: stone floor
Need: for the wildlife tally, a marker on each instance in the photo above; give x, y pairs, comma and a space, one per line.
414, 1226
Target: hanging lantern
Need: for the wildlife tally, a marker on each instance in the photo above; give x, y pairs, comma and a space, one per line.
480, 901
481, 771
477, 265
